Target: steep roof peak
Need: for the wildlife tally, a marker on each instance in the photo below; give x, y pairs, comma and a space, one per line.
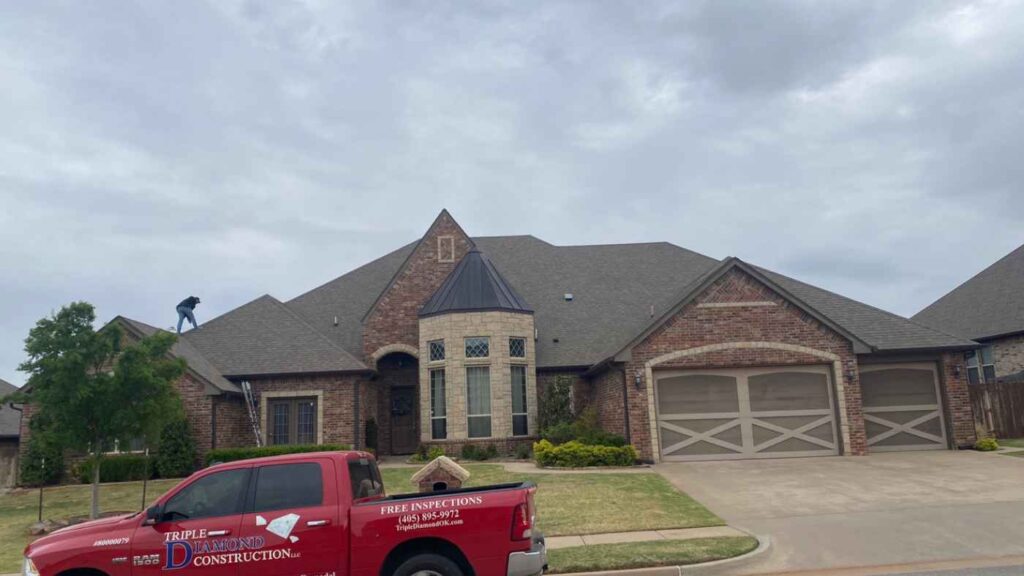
474, 285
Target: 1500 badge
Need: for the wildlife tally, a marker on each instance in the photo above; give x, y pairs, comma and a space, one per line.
146, 560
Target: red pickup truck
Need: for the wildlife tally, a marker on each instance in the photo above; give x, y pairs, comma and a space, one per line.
319, 514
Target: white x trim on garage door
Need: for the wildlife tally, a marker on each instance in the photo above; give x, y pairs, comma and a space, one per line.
902, 410
745, 413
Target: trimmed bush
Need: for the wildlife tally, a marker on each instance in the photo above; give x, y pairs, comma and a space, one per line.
575, 454
427, 453
524, 451
31, 470
585, 430
221, 455
559, 433
117, 468
986, 445
475, 452
177, 453
371, 431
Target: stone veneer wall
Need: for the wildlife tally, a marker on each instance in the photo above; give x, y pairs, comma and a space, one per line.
453, 329
1008, 355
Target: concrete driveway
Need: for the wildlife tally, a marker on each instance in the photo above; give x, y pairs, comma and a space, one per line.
889, 508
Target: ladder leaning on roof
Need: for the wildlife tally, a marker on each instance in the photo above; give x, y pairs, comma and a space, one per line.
250, 403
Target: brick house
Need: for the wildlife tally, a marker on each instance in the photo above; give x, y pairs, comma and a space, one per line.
453, 339
988, 308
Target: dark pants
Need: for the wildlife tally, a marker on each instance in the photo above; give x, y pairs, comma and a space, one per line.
183, 313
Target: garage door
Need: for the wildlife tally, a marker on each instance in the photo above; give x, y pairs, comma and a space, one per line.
747, 413
902, 410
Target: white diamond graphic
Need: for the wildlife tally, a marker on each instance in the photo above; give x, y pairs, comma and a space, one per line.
260, 520
294, 539
283, 526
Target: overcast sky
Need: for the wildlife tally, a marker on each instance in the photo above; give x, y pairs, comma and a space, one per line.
232, 149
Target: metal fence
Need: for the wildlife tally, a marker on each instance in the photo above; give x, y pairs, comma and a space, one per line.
999, 408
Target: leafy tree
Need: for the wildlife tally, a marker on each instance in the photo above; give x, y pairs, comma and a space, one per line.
176, 456
92, 390
556, 405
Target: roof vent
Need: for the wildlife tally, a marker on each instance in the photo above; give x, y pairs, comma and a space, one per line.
568, 296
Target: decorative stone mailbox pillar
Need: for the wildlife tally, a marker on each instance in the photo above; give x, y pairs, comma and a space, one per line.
441, 473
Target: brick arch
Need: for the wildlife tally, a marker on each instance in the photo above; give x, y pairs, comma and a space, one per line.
392, 348
837, 369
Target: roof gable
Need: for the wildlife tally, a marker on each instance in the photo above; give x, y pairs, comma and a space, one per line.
199, 365
988, 305
474, 285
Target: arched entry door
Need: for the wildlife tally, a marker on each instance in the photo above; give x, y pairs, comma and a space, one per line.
399, 409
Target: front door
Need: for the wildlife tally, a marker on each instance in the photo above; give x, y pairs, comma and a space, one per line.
199, 530
403, 420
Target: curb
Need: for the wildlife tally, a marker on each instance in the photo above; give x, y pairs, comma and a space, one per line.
713, 568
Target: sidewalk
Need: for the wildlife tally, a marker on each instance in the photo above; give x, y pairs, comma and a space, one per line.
555, 542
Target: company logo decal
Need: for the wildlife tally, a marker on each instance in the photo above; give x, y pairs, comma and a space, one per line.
197, 549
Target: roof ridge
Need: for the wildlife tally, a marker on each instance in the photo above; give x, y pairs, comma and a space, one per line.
320, 334
865, 304
220, 317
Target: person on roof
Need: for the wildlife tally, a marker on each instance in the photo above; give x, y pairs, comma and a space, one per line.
185, 310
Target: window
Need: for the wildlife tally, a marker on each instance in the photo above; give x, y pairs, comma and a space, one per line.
134, 445
218, 494
365, 478
478, 401
288, 486
438, 406
980, 367
436, 350
478, 347
445, 249
517, 347
519, 418
292, 420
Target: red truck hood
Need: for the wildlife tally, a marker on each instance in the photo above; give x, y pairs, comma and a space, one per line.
101, 526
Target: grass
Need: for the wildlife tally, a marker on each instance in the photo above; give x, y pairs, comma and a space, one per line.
19, 509
1011, 442
590, 503
567, 504
647, 554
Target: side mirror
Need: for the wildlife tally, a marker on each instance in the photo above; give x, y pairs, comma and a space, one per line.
154, 514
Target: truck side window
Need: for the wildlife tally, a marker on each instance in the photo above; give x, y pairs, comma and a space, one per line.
218, 494
289, 486
365, 477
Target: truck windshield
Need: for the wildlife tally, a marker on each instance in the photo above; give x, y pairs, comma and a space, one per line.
365, 477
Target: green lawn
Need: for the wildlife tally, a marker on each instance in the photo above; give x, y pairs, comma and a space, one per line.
567, 504
1011, 442
647, 554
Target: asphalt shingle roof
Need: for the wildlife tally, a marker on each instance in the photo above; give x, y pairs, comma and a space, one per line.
989, 304
10, 419
265, 337
196, 361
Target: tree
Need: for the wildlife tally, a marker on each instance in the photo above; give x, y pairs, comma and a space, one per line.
176, 456
92, 390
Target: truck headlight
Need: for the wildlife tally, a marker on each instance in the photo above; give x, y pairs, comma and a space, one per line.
29, 568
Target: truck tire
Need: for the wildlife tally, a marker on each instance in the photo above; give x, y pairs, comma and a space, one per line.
428, 565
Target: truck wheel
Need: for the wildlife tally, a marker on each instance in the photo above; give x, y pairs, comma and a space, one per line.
428, 565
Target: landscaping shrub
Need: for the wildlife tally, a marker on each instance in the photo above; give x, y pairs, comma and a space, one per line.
559, 433
427, 453
555, 406
524, 451
177, 451
585, 430
371, 435
575, 454
986, 445
233, 454
475, 452
31, 470
117, 468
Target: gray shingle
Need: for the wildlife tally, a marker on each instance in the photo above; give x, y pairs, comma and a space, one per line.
10, 419
265, 337
195, 360
989, 304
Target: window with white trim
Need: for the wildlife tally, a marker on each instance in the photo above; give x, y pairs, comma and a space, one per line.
980, 366
438, 406
520, 420
478, 401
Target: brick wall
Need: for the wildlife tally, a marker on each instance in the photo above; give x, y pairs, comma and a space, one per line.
581, 393
336, 404
395, 318
738, 308
957, 399
607, 397
233, 427
1008, 355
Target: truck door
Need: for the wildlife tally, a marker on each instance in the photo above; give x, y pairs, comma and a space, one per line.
197, 532
293, 508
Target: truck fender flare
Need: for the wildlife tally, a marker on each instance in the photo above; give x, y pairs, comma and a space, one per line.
411, 548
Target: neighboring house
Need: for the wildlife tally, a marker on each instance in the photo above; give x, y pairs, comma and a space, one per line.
10, 433
988, 308
452, 340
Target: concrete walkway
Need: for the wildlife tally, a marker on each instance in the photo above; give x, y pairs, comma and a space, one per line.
555, 542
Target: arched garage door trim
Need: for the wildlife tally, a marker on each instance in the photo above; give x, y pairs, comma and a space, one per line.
837, 370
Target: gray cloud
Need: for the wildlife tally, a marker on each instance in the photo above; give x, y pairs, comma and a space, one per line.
235, 148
